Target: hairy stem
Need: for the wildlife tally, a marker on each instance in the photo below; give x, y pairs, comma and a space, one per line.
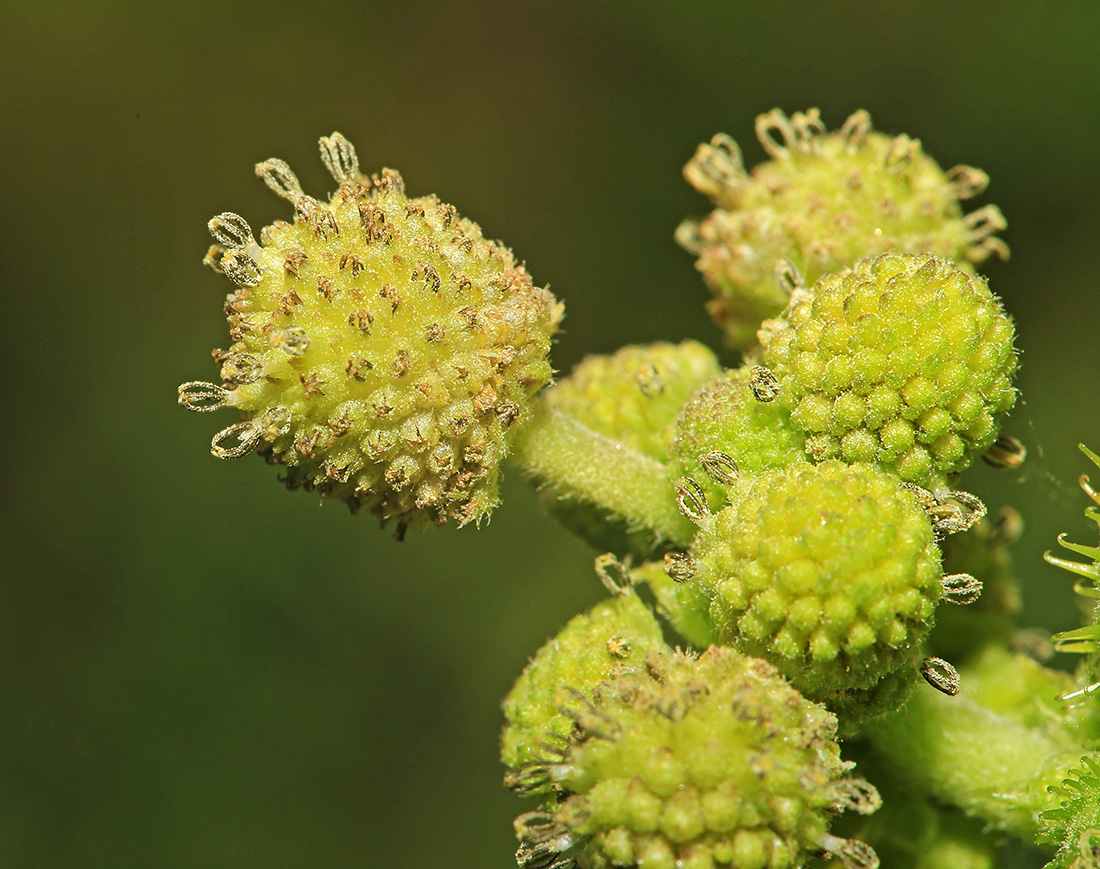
578, 462
982, 761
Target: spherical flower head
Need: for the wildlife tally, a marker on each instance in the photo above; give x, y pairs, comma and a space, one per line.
823, 201
610, 639
830, 572
725, 416
904, 360
697, 762
383, 349
634, 395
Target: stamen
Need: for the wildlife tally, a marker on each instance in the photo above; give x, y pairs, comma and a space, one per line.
961, 588
940, 675
720, 467
277, 175
339, 157
691, 500
614, 574
202, 397
967, 181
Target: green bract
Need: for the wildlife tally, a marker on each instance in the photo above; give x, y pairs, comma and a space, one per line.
383, 349
695, 762
904, 360
823, 201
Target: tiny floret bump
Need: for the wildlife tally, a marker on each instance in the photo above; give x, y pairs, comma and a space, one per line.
383, 349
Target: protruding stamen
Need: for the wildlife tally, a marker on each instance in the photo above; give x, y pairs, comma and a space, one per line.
1006, 452
972, 503
240, 268
274, 423
213, 258
691, 500
901, 153
940, 675
967, 181
856, 128
808, 126
764, 385
855, 795
338, 155
716, 166
649, 380
787, 276
292, 340
771, 123
961, 588
240, 368
232, 230
720, 467
689, 236
277, 175
1006, 527
592, 722
614, 574
680, 566
527, 778
853, 853
983, 223
202, 397
246, 435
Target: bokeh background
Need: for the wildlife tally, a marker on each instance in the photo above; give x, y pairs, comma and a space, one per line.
200, 669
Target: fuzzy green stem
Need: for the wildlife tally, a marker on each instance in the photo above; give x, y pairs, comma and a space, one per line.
580, 463
979, 760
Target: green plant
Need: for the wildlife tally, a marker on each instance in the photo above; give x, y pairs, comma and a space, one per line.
793, 524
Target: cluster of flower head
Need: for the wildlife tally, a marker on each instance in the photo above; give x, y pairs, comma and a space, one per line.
820, 475
383, 349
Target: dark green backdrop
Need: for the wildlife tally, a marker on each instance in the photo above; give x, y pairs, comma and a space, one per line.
199, 669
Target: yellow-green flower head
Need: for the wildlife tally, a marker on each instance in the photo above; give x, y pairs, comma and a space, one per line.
696, 762
726, 417
830, 572
610, 639
634, 395
904, 360
823, 201
383, 349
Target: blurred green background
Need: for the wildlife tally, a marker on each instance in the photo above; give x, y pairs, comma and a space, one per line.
200, 669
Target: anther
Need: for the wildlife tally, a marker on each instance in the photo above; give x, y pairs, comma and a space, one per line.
240, 268
808, 126
649, 380
338, 155
967, 181
983, 223
856, 128
680, 566
1006, 452
855, 795
585, 716
232, 230
614, 574
900, 154
202, 397
246, 435
691, 500
940, 675
961, 588
1006, 527
853, 853
239, 368
273, 423
763, 383
770, 123
277, 175
720, 467
292, 340
213, 258
787, 276
716, 166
